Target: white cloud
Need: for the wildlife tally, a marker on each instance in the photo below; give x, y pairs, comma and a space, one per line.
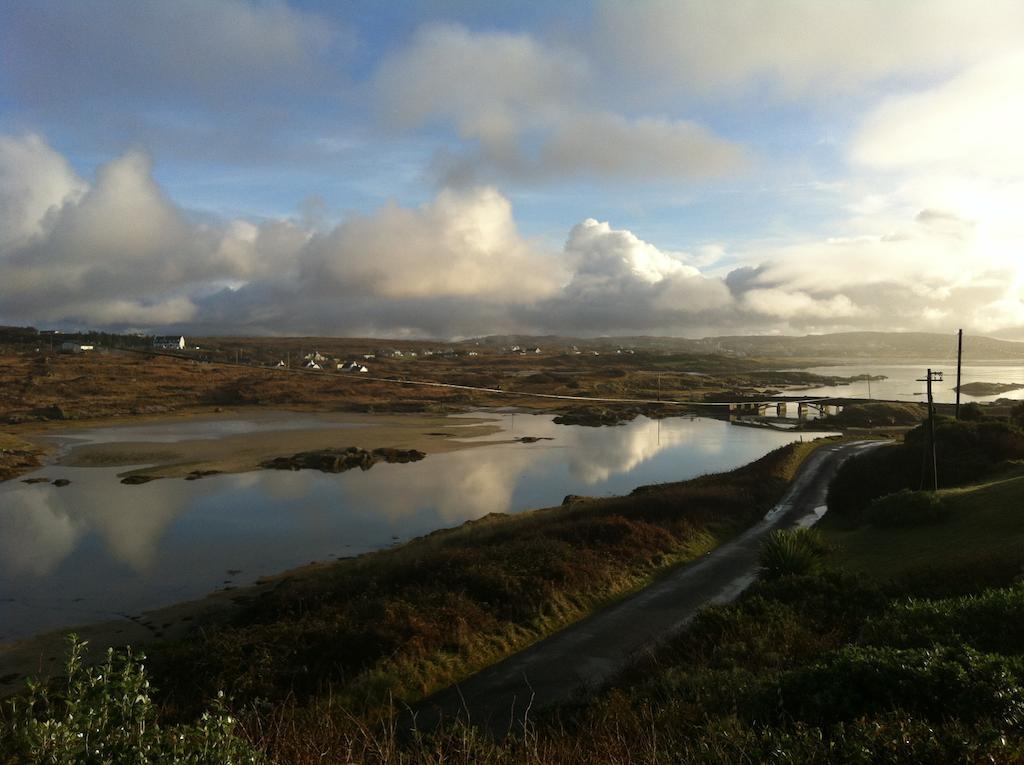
523, 110
608, 145
785, 304
488, 84
970, 124
461, 244
35, 181
802, 47
114, 253
614, 257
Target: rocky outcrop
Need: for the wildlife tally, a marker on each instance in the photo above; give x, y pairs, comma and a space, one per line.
134, 480
340, 460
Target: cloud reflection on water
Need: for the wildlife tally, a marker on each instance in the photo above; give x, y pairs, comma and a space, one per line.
119, 546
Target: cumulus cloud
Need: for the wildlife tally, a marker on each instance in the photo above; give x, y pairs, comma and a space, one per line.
523, 110
117, 252
35, 181
619, 280
463, 243
801, 47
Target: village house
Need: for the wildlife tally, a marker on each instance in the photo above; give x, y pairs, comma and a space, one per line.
352, 366
169, 343
310, 364
68, 347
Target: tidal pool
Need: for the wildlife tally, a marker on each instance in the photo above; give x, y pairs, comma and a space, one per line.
97, 548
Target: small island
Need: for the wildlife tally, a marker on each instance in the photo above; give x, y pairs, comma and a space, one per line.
988, 388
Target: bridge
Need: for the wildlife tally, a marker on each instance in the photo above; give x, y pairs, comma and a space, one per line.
823, 407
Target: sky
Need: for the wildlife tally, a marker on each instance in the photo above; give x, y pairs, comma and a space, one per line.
464, 167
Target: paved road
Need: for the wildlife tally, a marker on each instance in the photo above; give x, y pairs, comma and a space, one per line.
592, 650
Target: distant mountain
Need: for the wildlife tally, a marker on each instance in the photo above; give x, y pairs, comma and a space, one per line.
838, 346
872, 345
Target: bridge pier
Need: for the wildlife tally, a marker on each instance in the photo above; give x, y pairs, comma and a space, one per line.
780, 409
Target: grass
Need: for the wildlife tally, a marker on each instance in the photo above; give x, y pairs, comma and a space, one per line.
985, 521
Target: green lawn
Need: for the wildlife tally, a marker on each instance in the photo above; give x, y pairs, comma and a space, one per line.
986, 522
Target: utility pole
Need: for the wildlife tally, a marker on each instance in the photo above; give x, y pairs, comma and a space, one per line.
930, 378
959, 360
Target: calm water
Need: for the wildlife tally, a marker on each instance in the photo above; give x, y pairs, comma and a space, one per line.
901, 384
98, 548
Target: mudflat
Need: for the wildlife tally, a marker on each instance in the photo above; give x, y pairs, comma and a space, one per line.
277, 433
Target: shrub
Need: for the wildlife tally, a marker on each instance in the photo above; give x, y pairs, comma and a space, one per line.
991, 621
789, 552
906, 508
105, 715
972, 412
948, 682
868, 476
1017, 415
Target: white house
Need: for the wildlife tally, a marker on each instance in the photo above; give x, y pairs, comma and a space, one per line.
74, 348
169, 343
353, 366
280, 365
310, 364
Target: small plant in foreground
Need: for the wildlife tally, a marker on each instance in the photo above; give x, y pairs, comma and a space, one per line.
791, 551
104, 714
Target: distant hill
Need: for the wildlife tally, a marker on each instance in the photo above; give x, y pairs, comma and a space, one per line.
839, 346
873, 345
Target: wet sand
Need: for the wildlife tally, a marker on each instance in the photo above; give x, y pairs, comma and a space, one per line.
276, 436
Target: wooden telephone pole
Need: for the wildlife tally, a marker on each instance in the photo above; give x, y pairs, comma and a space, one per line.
959, 359
930, 378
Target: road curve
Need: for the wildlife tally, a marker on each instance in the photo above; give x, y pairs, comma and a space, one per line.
590, 651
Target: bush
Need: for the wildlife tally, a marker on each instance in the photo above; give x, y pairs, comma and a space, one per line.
791, 552
949, 682
972, 412
866, 477
1017, 415
906, 508
105, 715
992, 621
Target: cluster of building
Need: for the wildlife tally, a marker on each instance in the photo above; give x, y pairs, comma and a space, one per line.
317, 360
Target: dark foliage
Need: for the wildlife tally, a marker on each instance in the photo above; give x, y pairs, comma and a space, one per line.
906, 508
